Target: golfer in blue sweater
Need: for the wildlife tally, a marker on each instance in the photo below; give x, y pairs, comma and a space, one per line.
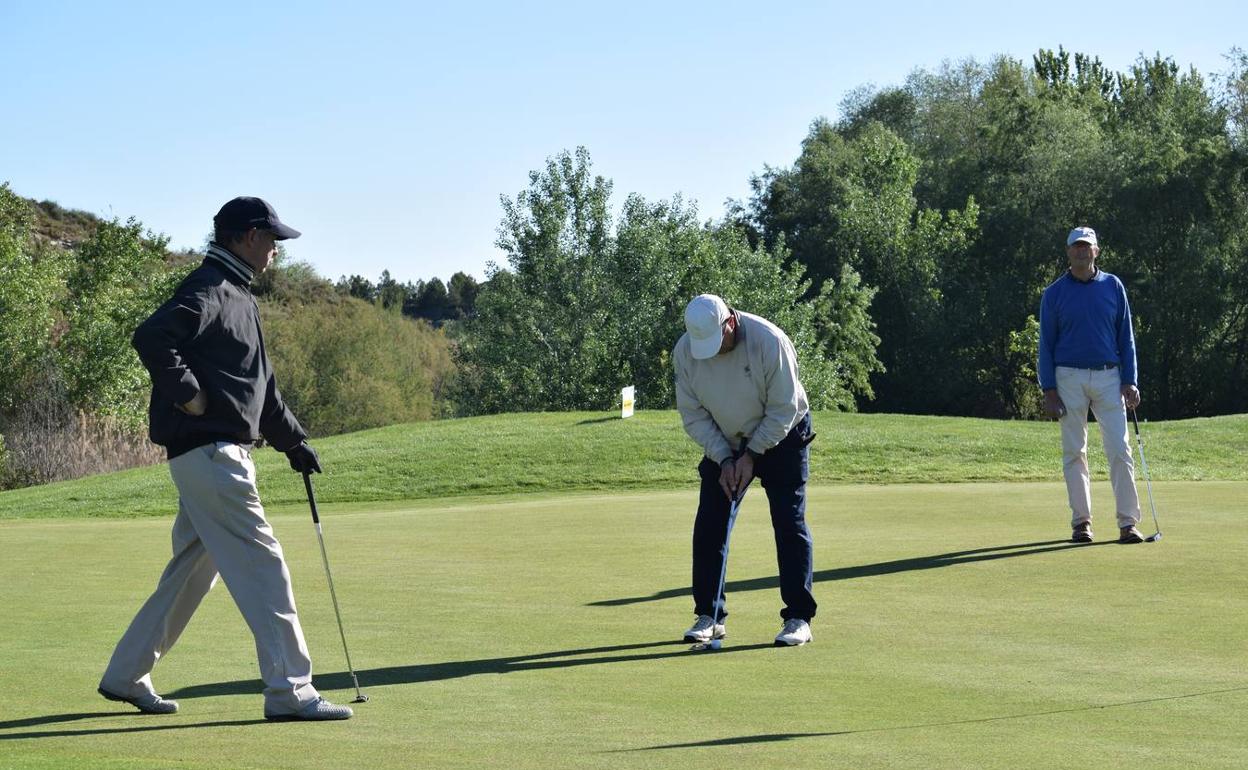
1087, 360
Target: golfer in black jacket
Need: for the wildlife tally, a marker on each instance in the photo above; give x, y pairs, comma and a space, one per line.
213, 398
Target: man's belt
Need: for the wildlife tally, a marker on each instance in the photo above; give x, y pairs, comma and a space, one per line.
1093, 368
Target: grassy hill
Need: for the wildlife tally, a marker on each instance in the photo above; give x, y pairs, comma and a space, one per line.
579, 451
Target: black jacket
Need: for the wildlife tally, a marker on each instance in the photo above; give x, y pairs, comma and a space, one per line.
207, 337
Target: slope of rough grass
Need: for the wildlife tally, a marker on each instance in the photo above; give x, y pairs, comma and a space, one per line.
560, 452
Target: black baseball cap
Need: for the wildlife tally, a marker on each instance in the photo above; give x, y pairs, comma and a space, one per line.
245, 212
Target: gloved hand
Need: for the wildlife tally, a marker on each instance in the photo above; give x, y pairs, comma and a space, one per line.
303, 459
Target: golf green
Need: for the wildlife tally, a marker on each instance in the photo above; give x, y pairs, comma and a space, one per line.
957, 628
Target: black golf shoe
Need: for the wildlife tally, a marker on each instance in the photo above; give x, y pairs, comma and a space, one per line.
1082, 533
1129, 535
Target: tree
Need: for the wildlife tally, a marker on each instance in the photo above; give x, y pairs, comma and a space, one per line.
587, 307
288, 280
30, 281
432, 302
461, 293
849, 201
1149, 157
357, 286
353, 365
118, 276
390, 293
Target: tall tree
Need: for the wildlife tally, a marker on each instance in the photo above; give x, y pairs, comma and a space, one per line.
849, 201
587, 308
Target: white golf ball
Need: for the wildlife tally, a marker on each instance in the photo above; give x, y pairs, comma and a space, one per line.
717, 643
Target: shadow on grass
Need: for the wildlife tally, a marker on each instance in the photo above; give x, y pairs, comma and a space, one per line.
871, 570
436, 672
781, 737
165, 724
595, 420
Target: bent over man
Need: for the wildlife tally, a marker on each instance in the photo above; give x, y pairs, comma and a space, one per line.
213, 397
1087, 360
737, 385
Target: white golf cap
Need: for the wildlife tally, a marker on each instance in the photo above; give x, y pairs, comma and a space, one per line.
1085, 234
704, 320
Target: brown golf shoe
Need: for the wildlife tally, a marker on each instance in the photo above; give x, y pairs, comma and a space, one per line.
1130, 535
1082, 533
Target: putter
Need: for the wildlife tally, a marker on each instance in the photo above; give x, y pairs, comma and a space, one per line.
1148, 483
316, 519
715, 644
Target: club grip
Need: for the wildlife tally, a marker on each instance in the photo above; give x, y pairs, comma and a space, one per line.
307, 484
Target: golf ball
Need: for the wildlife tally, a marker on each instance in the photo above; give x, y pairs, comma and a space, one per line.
717, 643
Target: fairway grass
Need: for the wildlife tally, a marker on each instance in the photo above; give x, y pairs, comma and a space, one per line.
957, 629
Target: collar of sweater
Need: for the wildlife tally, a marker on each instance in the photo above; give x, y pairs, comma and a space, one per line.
231, 262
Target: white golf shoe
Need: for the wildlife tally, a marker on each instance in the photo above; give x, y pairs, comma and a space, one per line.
796, 631
319, 710
148, 703
704, 629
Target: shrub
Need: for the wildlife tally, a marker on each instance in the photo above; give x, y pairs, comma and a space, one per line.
352, 365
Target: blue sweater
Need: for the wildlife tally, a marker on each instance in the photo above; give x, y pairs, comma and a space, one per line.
1085, 324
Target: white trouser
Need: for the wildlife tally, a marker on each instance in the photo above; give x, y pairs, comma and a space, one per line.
1101, 390
220, 527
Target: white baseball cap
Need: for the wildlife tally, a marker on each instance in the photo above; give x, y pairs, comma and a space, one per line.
704, 320
1085, 234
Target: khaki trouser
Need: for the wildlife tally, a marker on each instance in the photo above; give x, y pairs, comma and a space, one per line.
1101, 390
220, 527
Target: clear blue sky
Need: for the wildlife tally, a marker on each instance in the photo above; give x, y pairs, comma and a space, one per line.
387, 131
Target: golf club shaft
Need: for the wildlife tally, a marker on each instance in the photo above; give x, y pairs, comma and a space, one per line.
723, 567
333, 595
1148, 482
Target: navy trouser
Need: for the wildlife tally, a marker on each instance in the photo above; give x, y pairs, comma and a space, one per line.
783, 472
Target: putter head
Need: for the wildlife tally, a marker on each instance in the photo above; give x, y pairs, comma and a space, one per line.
712, 645
1153, 538
361, 698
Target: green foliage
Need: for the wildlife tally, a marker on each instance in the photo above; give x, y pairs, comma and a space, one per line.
1022, 351
431, 301
30, 283
351, 365
290, 281
849, 202
461, 293
390, 293
847, 335
1015, 157
587, 307
1234, 97
117, 277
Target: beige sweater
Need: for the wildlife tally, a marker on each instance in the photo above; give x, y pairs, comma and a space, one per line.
751, 392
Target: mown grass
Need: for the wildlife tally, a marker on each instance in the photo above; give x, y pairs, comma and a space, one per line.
579, 451
957, 629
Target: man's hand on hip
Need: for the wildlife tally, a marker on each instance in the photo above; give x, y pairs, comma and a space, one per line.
1130, 396
196, 406
1053, 405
